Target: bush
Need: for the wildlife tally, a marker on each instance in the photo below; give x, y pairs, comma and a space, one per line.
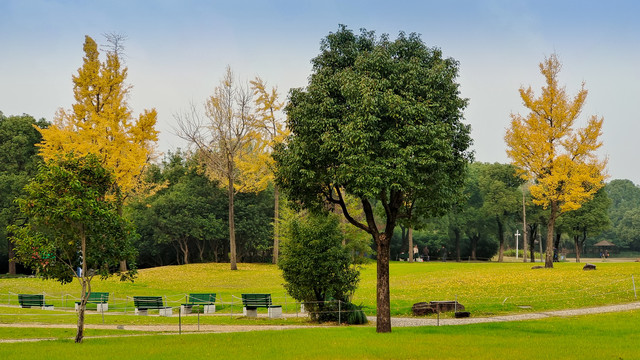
314, 263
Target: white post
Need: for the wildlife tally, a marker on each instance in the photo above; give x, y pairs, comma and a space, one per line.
517, 234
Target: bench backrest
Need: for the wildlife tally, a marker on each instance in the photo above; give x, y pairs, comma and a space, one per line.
256, 300
206, 299
98, 297
148, 302
31, 299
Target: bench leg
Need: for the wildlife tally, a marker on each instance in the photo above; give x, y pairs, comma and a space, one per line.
166, 312
47, 307
275, 313
250, 312
209, 309
185, 309
103, 307
142, 312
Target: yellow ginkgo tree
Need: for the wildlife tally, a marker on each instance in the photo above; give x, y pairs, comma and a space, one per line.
270, 130
558, 159
101, 122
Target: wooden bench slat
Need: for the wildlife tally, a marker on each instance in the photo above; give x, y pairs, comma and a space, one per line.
148, 302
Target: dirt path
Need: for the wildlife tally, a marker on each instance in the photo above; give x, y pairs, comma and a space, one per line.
395, 322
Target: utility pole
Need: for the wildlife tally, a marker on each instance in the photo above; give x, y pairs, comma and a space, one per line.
517, 234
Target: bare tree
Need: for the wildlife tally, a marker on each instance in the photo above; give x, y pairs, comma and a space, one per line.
222, 137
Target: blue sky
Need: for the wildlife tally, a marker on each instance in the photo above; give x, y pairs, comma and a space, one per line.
177, 51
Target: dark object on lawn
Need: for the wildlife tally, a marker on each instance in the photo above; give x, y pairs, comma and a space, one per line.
423, 308
537, 267
589, 267
462, 314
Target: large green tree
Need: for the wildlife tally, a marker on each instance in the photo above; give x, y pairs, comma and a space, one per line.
18, 163
380, 120
590, 220
73, 224
502, 198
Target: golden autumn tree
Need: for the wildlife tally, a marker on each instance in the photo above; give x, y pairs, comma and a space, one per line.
270, 130
559, 159
101, 122
226, 143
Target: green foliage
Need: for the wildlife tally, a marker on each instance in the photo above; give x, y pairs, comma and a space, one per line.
624, 210
314, 264
72, 221
377, 117
18, 163
186, 221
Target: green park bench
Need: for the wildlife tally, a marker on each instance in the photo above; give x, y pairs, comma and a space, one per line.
252, 302
207, 301
33, 300
101, 299
143, 304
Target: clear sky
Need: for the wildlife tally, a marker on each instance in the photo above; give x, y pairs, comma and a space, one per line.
177, 51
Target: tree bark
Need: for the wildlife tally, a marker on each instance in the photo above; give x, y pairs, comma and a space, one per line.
86, 287
232, 224
474, 245
383, 313
12, 263
524, 229
576, 241
456, 233
552, 221
276, 224
410, 239
501, 238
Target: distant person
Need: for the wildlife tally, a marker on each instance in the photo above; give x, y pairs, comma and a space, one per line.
443, 253
606, 254
425, 252
416, 253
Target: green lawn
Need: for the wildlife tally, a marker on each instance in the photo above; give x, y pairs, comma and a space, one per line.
484, 288
604, 336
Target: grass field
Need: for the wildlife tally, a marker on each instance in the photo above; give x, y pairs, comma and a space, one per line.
484, 288
604, 336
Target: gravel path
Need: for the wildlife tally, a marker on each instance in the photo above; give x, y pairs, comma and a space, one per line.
395, 322
407, 321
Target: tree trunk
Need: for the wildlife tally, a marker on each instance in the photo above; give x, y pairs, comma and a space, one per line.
524, 229
276, 224
410, 238
576, 241
12, 263
456, 233
552, 221
86, 287
383, 307
184, 248
232, 225
501, 239
474, 246
532, 245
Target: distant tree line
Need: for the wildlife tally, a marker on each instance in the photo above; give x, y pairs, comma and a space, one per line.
185, 219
